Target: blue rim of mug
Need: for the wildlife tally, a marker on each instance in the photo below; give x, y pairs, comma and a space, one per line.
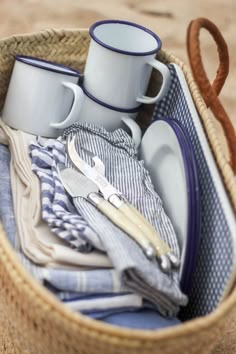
98, 23
30, 61
108, 106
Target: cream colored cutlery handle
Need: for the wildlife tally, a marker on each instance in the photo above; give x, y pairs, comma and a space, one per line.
148, 230
124, 223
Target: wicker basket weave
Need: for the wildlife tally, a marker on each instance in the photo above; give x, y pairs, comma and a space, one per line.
32, 321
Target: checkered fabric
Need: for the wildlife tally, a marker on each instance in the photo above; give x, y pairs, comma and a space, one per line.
216, 259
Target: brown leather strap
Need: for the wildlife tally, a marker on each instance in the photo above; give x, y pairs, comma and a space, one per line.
210, 92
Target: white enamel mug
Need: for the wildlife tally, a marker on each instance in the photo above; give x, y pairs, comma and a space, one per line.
120, 60
40, 95
111, 118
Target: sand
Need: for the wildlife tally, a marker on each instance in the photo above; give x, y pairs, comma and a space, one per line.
169, 19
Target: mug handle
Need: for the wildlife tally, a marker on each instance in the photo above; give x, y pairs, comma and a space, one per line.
166, 79
73, 116
135, 130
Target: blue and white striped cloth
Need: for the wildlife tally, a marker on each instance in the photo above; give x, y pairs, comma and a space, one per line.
126, 173
58, 210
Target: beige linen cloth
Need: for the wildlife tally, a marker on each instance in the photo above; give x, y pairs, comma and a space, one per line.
36, 240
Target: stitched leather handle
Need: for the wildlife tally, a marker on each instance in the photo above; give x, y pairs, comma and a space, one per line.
210, 92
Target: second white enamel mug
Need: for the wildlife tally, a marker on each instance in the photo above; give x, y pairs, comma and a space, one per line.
111, 118
120, 60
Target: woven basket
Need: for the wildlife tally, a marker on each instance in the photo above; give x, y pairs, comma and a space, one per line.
32, 321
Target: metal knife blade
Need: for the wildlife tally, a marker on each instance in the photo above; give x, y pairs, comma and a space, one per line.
75, 183
102, 183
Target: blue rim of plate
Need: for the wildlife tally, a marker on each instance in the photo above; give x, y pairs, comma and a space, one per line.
192, 238
187, 169
192, 244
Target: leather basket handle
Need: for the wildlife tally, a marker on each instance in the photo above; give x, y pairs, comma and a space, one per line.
210, 91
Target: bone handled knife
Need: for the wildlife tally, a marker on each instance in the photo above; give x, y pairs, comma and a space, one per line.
78, 185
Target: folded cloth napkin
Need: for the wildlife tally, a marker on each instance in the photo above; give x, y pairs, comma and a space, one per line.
139, 319
88, 289
126, 173
100, 304
57, 207
38, 243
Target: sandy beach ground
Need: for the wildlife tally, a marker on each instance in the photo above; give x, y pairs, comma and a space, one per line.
169, 19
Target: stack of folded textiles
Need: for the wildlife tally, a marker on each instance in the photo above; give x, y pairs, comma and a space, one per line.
69, 246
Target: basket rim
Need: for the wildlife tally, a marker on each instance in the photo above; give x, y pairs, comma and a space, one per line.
45, 33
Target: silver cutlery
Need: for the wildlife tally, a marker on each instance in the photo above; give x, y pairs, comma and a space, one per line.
163, 252
78, 185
